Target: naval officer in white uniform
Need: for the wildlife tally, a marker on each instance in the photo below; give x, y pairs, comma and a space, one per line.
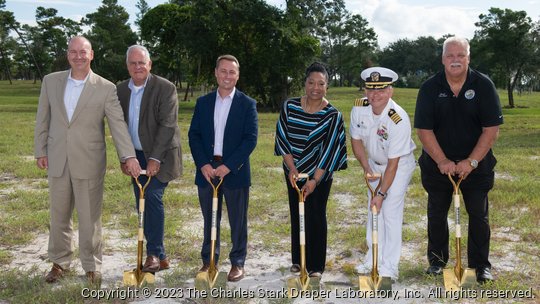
381, 140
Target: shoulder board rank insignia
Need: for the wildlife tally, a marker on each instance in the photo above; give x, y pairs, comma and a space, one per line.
361, 102
394, 116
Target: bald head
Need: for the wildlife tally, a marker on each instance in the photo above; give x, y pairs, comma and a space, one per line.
80, 55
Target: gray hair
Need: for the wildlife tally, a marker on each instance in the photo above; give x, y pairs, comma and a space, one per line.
138, 47
457, 40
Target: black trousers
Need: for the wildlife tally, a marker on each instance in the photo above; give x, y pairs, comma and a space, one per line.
316, 226
474, 190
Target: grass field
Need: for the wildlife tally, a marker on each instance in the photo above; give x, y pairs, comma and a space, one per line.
514, 202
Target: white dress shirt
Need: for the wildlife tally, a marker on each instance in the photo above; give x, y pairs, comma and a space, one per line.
221, 112
72, 94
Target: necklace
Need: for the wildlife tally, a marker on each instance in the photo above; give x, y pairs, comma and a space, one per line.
311, 109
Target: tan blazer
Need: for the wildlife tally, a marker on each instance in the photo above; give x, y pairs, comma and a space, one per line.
158, 124
80, 142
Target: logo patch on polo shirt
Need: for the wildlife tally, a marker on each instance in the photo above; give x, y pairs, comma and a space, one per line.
470, 94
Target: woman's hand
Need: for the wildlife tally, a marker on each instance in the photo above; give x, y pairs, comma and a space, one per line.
293, 174
309, 187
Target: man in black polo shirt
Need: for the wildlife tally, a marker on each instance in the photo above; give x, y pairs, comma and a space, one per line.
457, 118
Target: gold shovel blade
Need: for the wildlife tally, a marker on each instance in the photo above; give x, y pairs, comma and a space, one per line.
207, 279
131, 279
453, 282
366, 283
297, 284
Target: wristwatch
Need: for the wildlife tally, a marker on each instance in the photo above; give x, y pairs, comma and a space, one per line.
383, 194
473, 163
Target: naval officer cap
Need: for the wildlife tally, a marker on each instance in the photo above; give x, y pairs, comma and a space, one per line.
378, 77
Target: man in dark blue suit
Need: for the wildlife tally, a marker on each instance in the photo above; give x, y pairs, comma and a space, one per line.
222, 135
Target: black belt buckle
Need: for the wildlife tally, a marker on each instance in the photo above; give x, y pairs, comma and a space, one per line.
218, 158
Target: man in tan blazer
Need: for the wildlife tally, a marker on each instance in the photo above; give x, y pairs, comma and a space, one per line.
70, 143
150, 105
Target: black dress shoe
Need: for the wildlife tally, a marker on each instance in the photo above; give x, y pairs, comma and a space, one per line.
484, 275
434, 270
295, 268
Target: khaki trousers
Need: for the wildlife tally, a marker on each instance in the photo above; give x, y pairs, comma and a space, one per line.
86, 196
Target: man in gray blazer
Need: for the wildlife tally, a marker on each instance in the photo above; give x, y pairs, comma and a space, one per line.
150, 107
69, 142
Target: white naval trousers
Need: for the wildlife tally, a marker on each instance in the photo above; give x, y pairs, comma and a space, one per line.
390, 218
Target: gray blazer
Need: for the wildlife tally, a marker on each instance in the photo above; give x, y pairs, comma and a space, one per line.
158, 124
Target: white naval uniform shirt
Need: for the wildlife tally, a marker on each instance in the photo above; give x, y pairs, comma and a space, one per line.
383, 137
386, 136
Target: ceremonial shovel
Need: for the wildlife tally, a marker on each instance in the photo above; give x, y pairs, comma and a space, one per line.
208, 278
374, 281
302, 282
137, 277
456, 277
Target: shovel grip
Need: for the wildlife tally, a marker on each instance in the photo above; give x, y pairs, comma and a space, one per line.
374, 225
457, 214
140, 235
301, 214
141, 205
213, 232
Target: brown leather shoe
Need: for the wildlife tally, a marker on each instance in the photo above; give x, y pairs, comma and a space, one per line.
56, 273
93, 277
151, 264
164, 264
205, 268
236, 273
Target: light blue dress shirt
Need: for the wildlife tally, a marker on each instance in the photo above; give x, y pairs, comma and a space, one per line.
134, 112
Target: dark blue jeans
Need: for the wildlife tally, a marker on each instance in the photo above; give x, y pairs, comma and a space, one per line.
237, 208
154, 213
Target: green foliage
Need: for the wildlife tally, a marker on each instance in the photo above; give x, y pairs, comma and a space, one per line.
188, 38
110, 35
504, 32
413, 60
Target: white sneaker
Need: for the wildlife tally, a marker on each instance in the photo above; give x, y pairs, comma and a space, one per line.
363, 268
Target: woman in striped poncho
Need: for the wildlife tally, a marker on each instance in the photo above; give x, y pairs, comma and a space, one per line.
310, 135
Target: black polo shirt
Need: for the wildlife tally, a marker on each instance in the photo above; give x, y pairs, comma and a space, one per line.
457, 121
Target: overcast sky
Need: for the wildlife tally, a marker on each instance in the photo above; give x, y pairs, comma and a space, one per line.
391, 19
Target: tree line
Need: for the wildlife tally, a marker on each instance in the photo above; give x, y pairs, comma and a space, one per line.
273, 45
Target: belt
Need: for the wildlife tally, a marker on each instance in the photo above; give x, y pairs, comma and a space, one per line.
218, 158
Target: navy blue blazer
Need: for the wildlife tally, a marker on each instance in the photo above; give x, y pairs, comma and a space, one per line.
240, 138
